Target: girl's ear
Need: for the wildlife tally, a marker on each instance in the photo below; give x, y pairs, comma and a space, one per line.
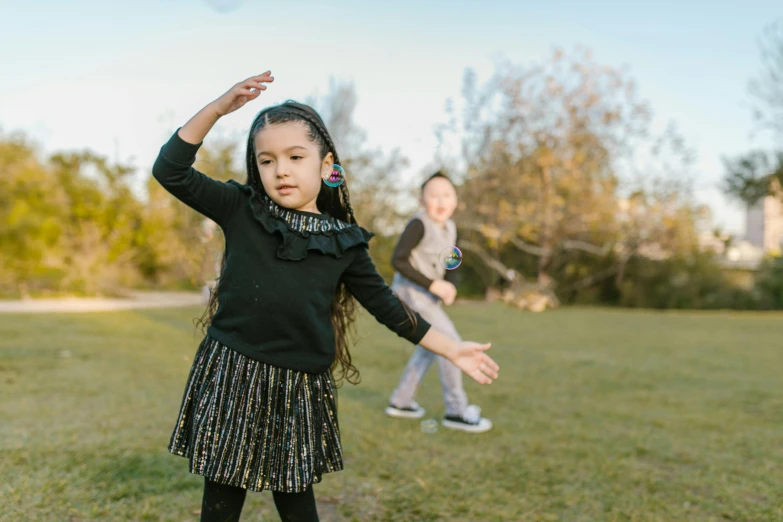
328, 161
326, 165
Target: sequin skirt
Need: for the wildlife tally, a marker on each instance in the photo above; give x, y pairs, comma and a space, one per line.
256, 426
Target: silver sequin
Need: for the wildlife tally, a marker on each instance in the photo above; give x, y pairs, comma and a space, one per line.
253, 425
301, 222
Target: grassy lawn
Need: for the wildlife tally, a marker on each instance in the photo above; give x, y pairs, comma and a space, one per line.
599, 415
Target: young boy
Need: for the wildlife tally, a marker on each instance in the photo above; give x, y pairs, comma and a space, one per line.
423, 283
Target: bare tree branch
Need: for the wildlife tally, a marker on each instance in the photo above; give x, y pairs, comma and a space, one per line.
566, 244
504, 271
527, 247
591, 279
575, 244
767, 87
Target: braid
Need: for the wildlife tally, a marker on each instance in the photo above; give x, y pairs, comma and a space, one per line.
253, 175
343, 195
347, 199
318, 124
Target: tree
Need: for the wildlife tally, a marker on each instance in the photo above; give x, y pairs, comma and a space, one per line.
372, 175
767, 88
550, 166
180, 246
751, 176
69, 221
102, 218
30, 217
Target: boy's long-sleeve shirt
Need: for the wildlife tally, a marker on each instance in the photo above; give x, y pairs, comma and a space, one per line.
401, 258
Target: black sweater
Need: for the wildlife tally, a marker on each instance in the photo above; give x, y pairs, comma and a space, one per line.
282, 269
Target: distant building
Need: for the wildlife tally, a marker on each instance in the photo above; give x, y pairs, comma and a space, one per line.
764, 224
763, 235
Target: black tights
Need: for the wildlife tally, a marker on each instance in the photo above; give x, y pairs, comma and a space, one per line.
222, 503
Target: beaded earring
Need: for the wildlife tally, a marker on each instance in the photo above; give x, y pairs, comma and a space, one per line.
334, 176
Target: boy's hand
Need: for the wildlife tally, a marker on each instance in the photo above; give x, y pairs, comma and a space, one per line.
241, 93
444, 290
450, 300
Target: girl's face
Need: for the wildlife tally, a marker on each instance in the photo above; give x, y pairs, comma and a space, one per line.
439, 199
290, 165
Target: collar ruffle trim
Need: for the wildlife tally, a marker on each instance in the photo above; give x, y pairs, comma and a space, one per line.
302, 231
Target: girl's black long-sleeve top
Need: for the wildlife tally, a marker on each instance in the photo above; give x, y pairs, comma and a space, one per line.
282, 269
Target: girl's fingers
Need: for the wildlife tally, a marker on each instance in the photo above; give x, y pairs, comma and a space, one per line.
251, 91
480, 378
489, 370
258, 76
490, 363
265, 77
252, 84
490, 373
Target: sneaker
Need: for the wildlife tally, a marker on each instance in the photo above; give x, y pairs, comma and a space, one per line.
414, 411
470, 421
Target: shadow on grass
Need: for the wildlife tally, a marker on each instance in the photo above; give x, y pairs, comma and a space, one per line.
138, 475
134, 477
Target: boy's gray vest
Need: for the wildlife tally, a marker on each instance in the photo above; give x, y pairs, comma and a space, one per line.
424, 257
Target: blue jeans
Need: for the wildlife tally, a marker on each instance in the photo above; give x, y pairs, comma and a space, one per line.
429, 307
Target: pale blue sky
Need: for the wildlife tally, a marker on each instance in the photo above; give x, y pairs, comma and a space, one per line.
123, 75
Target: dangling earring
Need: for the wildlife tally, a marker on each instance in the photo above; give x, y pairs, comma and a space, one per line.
334, 176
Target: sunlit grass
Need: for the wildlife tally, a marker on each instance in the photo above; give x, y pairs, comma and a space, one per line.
599, 415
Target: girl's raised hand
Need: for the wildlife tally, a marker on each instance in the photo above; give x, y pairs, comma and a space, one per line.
471, 359
241, 93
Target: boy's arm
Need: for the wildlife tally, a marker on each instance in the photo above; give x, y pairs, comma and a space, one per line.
410, 237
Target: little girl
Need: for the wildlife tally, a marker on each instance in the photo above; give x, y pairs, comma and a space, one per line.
259, 409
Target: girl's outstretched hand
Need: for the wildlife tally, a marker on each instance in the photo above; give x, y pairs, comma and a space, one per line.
241, 93
471, 359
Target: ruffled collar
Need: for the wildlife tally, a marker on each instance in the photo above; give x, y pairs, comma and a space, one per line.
300, 220
302, 231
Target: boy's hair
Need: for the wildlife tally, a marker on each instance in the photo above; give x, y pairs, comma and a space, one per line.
336, 203
439, 174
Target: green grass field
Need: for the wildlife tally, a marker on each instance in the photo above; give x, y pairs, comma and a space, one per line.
599, 415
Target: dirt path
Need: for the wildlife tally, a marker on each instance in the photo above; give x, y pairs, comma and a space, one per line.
98, 304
